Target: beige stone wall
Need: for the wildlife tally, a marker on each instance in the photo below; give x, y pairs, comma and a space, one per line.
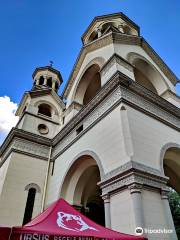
154, 215
3, 171
22, 170
149, 136
104, 139
121, 208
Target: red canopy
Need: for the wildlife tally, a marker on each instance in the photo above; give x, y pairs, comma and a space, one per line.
62, 222
4, 233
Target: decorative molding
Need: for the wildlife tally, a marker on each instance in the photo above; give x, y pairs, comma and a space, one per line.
165, 193
134, 180
26, 147
135, 188
132, 165
106, 198
19, 133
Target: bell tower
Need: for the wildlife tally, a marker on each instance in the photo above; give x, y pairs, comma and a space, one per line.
47, 77
26, 152
40, 110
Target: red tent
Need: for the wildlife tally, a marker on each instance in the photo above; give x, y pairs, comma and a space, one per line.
4, 233
62, 222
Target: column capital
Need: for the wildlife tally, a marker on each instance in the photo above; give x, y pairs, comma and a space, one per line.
106, 198
164, 193
135, 188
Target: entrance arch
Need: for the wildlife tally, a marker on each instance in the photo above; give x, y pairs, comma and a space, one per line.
170, 164
80, 188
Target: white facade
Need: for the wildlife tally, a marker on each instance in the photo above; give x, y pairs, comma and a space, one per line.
115, 140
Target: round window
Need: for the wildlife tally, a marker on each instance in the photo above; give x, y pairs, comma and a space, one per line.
43, 129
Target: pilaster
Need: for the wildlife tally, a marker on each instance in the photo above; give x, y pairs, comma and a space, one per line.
136, 190
167, 212
107, 209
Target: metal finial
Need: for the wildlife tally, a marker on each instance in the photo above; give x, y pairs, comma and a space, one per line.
51, 63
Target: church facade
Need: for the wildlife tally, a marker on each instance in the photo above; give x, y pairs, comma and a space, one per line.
110, 145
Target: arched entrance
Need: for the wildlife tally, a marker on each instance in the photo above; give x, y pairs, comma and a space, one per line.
80, 188
171, 165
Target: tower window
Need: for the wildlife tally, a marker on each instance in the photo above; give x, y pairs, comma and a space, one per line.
56, 86
45, 109
29, 205
49, 82
41, 80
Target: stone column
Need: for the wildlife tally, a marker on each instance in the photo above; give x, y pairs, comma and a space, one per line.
121, 28
107, 210
99, 32
53, 85
135, 190
37, 81
45, 80
168, 215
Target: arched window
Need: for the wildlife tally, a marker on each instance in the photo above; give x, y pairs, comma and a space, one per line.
41, 80
29, 205
49, 82
89, 85
56, 86
93, 36
44, 109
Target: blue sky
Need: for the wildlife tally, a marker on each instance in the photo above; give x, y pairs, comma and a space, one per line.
36, 31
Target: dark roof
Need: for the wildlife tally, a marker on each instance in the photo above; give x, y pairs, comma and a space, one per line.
50, 69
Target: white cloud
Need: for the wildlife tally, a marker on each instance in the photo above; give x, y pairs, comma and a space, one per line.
7, 116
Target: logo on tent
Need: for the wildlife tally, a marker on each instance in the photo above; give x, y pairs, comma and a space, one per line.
72, 222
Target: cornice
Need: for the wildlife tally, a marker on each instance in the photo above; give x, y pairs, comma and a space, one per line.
117, 38
119, 89
134, 176
24, 135
38, 93
118, 79
47, 91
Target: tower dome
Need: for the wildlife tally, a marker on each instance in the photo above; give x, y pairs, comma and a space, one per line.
47, 77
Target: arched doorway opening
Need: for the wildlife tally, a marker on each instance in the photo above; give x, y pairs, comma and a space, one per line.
80, 188
171, 165
147, 75
89, 85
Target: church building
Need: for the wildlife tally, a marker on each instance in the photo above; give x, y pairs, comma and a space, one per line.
109, 145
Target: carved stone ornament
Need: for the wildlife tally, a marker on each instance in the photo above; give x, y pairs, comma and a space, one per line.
135, 188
